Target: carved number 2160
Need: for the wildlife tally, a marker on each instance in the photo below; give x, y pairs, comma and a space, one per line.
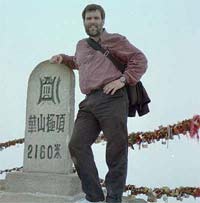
40, 152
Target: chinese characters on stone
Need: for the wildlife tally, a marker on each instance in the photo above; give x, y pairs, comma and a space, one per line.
46, 123
49, 87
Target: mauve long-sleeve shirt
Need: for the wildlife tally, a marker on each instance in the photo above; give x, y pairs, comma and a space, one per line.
96, 70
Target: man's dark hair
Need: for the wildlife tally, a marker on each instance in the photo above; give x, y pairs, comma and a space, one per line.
93, 7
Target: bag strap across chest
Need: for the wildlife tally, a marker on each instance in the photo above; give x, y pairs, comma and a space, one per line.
96, 46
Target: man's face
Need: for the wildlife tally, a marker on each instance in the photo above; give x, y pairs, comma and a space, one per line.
93, 23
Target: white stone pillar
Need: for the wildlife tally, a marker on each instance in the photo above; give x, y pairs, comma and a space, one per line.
49, 123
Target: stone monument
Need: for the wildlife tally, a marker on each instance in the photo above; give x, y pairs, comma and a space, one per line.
49, 123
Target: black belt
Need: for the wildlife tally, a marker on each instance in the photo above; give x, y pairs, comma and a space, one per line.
95, 91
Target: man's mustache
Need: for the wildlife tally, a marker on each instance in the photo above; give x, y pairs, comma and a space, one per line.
93, 25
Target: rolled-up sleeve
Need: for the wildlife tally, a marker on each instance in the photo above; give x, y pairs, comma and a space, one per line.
69, 61
134, 58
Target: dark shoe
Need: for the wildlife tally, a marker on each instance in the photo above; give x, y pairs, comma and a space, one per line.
113, 199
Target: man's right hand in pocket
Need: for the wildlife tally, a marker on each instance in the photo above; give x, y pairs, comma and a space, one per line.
58, 59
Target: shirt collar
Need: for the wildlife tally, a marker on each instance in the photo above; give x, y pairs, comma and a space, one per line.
103, 35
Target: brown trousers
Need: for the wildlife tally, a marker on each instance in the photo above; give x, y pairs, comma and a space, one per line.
99, 111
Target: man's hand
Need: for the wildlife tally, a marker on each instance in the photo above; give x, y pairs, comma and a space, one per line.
58, 59
113, 86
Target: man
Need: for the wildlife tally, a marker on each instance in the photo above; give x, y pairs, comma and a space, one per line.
105, 106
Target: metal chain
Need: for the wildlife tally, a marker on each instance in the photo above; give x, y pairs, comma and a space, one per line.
11, 143
11, 170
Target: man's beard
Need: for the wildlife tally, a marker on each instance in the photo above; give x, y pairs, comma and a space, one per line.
93, 30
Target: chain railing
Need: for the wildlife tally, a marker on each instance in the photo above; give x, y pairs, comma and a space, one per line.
189, 127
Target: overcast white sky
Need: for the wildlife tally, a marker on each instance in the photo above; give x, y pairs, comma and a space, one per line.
168, 32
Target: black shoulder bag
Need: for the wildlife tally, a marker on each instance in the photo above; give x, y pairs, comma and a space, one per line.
138, 97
